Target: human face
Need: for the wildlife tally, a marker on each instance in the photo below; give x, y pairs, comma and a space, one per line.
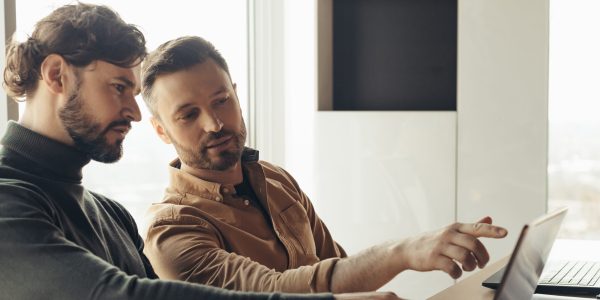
199, 113
100, 108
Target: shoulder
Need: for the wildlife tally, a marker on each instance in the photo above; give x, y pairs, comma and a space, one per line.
272, 172
281, 179
165, 213
19, 196
12, 180
276, 172
14, 184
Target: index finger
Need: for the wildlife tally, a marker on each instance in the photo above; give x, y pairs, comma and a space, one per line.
482, 230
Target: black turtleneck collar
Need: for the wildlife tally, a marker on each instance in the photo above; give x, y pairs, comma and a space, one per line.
61, 160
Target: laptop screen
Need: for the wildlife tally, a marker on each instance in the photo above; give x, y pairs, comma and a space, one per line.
529, 257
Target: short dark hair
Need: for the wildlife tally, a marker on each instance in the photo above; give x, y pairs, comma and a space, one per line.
176, 55
80, 33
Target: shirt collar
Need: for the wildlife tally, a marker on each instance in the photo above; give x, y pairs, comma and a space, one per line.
183, 182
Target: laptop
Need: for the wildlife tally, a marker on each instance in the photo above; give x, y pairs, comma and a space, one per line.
518, 280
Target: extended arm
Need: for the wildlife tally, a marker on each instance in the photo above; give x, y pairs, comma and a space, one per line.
442, 250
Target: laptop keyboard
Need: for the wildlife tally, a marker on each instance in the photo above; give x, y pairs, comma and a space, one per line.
581, 273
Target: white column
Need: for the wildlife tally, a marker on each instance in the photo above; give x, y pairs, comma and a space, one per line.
266, 66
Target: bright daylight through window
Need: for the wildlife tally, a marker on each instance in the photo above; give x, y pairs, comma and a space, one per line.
574, 110
140, 177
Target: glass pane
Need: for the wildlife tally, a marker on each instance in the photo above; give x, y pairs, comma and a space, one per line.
140, 177
574, 110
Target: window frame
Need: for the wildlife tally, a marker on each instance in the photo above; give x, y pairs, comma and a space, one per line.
9, 110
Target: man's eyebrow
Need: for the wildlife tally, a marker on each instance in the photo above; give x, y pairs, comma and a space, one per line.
181, 107
219, 91
126, 81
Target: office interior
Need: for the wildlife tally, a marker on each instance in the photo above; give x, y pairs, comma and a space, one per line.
522, 98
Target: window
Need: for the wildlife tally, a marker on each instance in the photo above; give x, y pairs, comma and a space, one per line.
141, 176
574, 110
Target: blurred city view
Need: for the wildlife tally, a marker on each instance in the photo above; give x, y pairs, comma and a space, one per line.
574, 116
574, 176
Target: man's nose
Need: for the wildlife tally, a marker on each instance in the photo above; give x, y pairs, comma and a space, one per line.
212, 123
131, 110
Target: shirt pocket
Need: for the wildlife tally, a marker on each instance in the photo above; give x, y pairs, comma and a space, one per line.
296, 220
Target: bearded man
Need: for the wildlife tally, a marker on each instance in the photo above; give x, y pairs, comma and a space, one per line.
231, 220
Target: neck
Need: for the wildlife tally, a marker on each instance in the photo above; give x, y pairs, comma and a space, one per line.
232, 175
41, 116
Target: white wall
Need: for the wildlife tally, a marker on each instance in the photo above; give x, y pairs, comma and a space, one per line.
502, 113
381, 175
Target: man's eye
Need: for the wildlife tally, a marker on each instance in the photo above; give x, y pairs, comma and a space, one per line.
119, 88
189, 116
222, 100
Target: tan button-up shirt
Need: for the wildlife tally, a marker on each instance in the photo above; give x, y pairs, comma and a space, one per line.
203, 232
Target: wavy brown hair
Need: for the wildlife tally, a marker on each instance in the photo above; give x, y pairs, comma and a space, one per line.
80, 33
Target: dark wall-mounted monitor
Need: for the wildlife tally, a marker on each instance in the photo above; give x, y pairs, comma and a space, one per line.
389, 55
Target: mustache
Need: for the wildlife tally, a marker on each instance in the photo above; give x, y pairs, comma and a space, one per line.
215, 135
122, 122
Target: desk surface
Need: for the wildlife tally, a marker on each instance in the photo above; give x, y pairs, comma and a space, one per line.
471, 288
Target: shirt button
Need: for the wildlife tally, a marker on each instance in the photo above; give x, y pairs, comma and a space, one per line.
219, 199
225, 190
246, 202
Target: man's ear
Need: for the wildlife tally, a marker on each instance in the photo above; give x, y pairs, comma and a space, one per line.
53, 73
160, 130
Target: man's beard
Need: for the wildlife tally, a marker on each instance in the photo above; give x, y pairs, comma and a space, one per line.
87, 134
199, 158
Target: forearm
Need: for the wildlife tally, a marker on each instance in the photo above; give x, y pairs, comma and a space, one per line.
443, 249
367, 270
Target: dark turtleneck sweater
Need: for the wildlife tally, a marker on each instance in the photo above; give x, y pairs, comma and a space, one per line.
60, 241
